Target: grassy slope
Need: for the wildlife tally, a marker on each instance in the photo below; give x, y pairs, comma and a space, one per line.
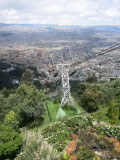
53, 109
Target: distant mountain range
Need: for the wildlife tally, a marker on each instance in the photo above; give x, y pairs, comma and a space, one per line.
68, 26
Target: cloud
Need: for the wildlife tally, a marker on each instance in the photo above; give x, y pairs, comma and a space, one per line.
67, 12
112, 12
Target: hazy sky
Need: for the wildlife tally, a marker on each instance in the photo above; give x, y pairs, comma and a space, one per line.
63, 12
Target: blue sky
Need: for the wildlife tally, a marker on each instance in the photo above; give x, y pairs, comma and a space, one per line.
62, 12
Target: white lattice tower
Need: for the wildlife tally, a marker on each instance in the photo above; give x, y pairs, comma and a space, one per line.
66, 98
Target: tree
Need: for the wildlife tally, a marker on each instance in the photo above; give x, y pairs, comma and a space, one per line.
57, 99
11, 120
5, 92
91, 99
10, 143
115, 116
110, 110
30, 106
82, 87
4, 108
27, 78
27, 104
91, 78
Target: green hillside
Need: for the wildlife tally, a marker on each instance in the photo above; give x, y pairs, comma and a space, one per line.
30, 113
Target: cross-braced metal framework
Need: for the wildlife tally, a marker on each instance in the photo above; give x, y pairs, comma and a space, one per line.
64, 71
66, 98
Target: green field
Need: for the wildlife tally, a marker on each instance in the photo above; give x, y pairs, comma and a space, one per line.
53, 109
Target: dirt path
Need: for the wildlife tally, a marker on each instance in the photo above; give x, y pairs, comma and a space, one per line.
71, 146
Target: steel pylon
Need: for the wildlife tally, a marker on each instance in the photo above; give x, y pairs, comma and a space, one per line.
66, 95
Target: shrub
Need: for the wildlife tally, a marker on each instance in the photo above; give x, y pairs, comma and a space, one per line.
115, 116
11, 120
86, 154
37, 148
114, 112
57, 134
110, 110
10, 142
74, 123
110, 131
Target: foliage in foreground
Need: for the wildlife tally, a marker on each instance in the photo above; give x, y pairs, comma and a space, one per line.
37, 148
55, 136
59, 133
88, 145
10, 142
110, 131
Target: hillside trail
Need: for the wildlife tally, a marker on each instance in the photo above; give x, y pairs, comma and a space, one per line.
71, 146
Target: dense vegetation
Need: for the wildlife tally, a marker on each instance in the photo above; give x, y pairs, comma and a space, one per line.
97, 98
59, 134
10, 142
23, 106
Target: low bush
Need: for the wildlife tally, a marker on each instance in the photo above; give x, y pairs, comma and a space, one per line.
36, 148
59, 133
86, 154
76, 122
56, 134
110, 131
88, 144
